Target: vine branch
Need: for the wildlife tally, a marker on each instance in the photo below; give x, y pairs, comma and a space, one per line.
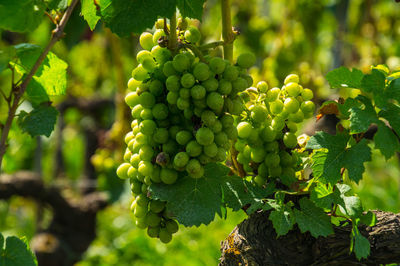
227, 33
18, 91
173, 39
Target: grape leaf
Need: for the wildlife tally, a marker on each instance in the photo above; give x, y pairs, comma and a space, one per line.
57, 4
362, 118
6, 56
191, 8
312, 219
343, 77
40, 121
124, 17
393, 90
386, 141
16, 252
51, 75
13, 19
332, 154
392, 115
375, 83
351, 206
195, 201
282, 220
322, 195
361, 244
89, 13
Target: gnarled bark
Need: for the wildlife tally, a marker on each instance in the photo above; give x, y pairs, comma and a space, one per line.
254, 242
73, 226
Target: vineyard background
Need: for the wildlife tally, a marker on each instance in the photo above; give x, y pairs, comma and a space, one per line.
306, 37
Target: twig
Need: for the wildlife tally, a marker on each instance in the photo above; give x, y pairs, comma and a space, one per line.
211, 45
227, 33
173, 39
20, 90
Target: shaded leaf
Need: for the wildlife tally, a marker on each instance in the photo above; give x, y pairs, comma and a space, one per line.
16, 252
191, 8
361, 244
282, 220
40, 121
392, 115
342, 77
362, 117
386, 141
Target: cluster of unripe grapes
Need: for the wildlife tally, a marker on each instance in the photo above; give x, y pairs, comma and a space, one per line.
182, 108
267, 133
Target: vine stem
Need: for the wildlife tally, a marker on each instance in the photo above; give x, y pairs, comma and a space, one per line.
227, 33
18, 91
173, 38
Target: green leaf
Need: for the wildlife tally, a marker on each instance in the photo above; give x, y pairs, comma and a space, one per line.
16, 252
362, 117
332, 154
40, 121
369, 219
89, 13
57, 4
191, 8
134, 16
392, 115
344, 78
361, 244
349, 103
386, 141
322, 195
355, 158
351, 206
373, 82
282, 220
393, 90
21, 15
196, 201
51, 76
313, 219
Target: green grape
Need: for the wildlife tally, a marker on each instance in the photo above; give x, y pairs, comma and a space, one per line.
286, 159
172, 97
204, 159
307, 94
259, 113
159, 24
182, 23
246, 60
136, 187
288, 176
297, 117
291, 78
173, 83
147, 127
128, 137
153, 232
200, 104
221, 138
142, 200
272, 146
162, 159
160, 111
225, 87
194, 169
157, 206
182, 104
146, 152
173, 131
215, 101
275, 171
146, 114
231, 132
168, 69
184, 93
140, 212
292, 126
260, 180
208, 118
276, 107
210, 84
135, 160
262, 87
161, 55
140, 73
204, 136
165, 236
227, 120
192, 35
163, 123
262, 170
193, 148
153, 219
239, 84
257, 154
221, 155
122, 171
181, 62
211, 150
187, 80
157, 35
231, 73
132, 99
170, 147
272, 160
133, 84
198, 92
149, 64
155, 175
273, 94
188, 114
307, 107
127, 155
181, 159
217, 65
277, 123
201, 71
136, 111
293, 89
239, 145
147, 100
183, 137
168, 176
291, 105
216, 127
242, 159
244, 130
156, 87
172, 226
248, 79
142, 55
268, 134
145, 168
290, 140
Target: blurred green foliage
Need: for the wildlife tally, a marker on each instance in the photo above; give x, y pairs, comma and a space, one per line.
305, 37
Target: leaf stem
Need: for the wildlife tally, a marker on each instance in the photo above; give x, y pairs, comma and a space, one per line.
18, 91
227, 33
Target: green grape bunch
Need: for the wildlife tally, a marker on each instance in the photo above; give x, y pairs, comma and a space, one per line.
183, 109
267, 130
